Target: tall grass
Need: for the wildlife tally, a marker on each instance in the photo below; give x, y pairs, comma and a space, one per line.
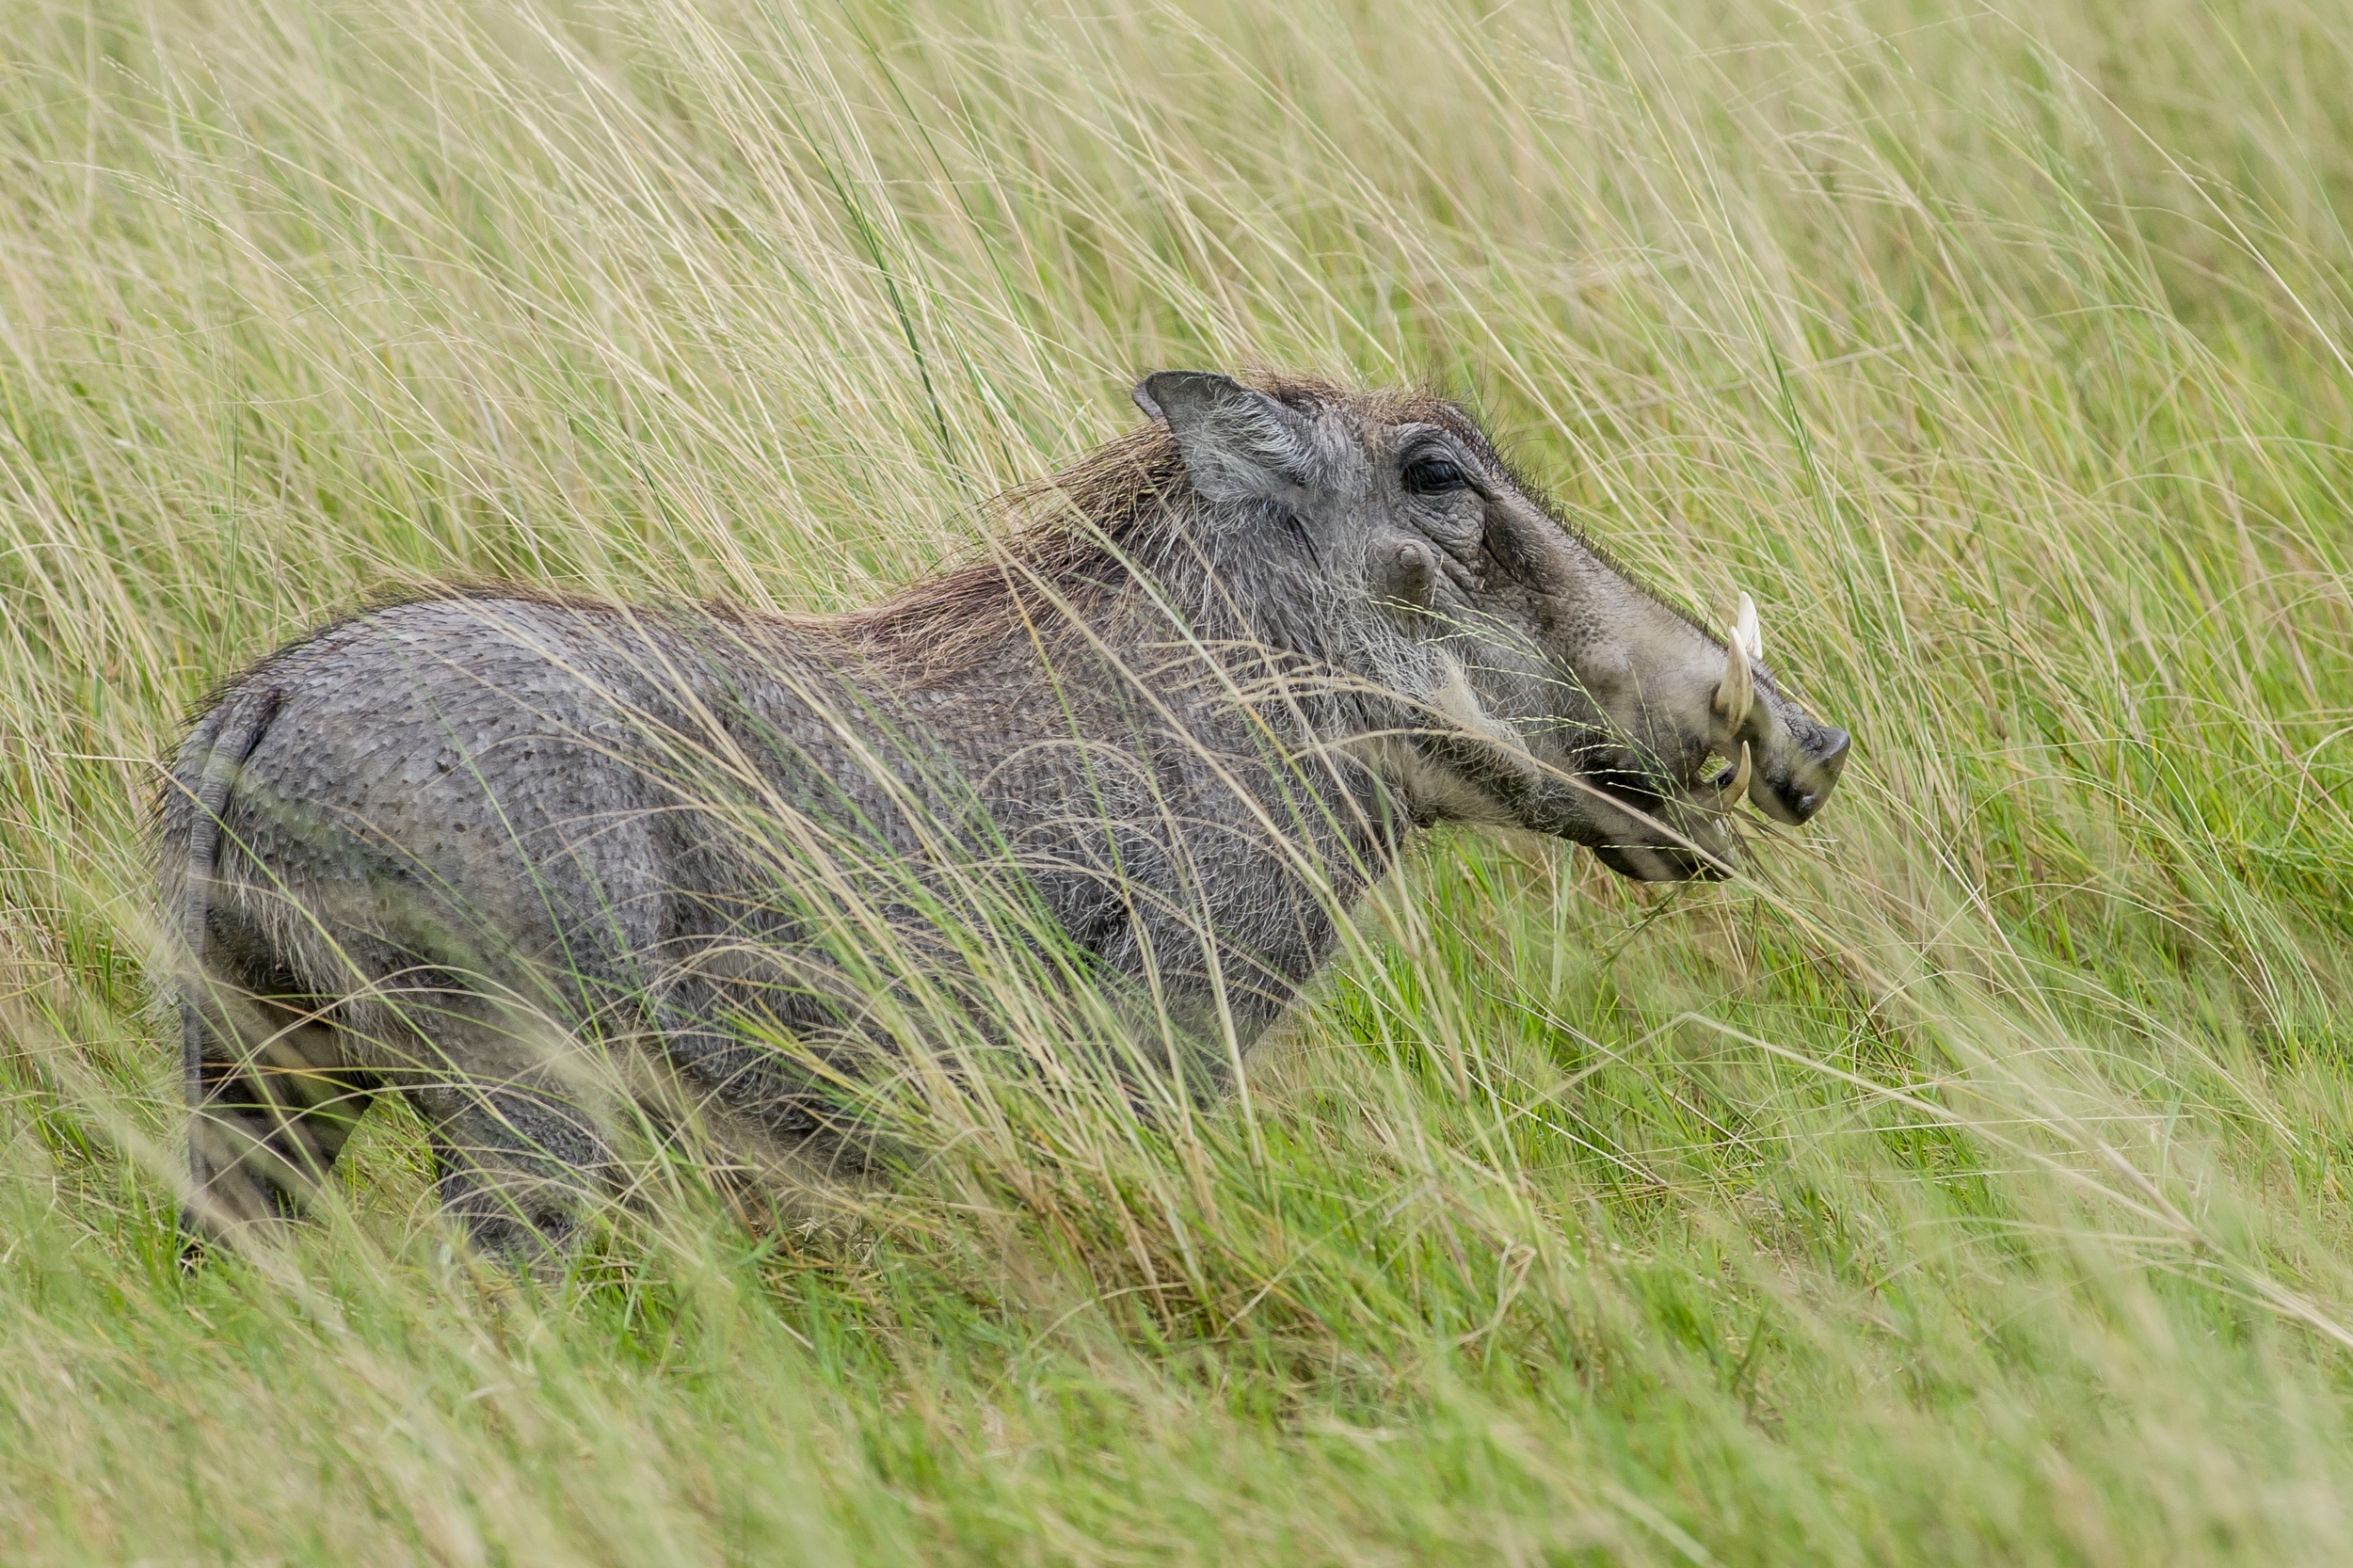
1969, 1185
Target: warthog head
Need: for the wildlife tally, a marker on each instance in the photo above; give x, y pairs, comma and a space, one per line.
1546, 689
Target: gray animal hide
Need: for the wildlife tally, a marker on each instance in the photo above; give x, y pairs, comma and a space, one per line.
499, 851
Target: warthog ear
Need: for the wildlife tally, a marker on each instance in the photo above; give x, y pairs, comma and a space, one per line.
1239, 444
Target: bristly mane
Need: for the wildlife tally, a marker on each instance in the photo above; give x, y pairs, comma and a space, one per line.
1058, 545
1065, 544
1055, 548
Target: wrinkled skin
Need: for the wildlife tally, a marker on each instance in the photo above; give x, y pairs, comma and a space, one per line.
465, 848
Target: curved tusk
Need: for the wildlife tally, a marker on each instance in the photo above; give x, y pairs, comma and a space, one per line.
1733, 793
1735, 694
1746, 631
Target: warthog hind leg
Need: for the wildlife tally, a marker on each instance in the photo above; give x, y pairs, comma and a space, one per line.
273, 1101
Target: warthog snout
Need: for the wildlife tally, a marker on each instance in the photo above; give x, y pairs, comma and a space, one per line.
1793, 785
1788, 762
1683, 728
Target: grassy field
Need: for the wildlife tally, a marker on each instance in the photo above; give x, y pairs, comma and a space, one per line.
1969, 1186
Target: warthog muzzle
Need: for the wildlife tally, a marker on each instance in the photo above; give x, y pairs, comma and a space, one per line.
1784, 761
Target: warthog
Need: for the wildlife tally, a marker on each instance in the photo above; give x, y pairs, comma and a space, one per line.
1182, 716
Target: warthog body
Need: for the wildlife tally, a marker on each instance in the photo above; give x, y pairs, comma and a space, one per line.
1182, 717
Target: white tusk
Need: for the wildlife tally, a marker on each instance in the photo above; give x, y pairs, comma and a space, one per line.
1730, 794
1746, 631
1735, 694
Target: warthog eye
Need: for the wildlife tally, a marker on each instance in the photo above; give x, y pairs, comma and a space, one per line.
1432, 476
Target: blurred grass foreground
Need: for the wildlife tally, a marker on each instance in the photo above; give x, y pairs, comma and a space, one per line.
1969, 1186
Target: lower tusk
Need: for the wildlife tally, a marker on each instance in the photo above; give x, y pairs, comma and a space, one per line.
1733, 793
